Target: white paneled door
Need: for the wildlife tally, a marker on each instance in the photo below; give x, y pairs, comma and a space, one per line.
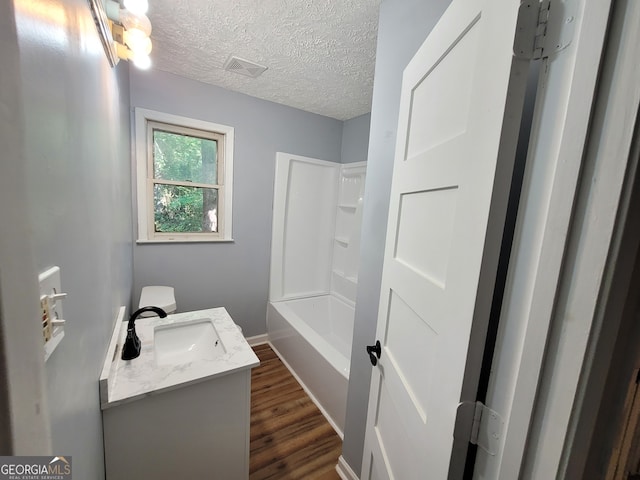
460, 111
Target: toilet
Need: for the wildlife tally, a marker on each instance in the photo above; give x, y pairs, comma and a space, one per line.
157, 296
160, 296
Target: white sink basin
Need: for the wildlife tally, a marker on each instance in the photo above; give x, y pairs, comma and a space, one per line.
187, 342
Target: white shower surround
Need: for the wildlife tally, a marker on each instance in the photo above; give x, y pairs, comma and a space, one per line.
314, 260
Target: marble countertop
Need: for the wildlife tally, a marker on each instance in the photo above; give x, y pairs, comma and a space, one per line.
123, 381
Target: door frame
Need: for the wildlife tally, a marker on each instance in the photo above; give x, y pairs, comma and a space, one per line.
612, 355
611, 351
566, 223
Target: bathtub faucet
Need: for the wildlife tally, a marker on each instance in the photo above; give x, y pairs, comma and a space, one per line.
132, 346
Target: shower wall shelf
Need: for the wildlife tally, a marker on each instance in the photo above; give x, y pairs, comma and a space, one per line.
346, 251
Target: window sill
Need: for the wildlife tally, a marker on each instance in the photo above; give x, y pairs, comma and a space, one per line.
184, 240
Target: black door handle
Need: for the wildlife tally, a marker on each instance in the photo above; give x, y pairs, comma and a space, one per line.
377, 349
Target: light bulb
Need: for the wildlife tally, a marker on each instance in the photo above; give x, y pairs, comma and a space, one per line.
143, 62
140, 60
137, 6
138, 42
132, 21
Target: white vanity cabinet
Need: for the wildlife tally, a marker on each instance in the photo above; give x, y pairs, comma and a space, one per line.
187, 421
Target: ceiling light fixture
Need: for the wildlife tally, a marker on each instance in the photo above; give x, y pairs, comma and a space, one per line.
124, 30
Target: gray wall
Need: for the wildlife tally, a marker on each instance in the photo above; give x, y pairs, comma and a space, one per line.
76, 150
404, 24
355, 139
22, 383
234, 275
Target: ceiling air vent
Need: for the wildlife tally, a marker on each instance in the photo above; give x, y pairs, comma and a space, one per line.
244, 67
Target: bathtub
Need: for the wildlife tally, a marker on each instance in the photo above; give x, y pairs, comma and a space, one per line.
312, 336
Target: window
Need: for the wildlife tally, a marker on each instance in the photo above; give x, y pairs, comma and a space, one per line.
185, 177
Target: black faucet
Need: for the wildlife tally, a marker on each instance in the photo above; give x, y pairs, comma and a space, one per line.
131, 348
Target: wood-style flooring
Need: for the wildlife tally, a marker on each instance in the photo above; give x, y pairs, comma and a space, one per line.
290, 438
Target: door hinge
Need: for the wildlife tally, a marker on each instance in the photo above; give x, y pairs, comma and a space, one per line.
544, 27
479, 425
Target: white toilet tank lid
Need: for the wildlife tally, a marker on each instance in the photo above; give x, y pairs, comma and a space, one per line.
157, 296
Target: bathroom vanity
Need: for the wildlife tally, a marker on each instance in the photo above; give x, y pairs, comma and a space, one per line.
182, 408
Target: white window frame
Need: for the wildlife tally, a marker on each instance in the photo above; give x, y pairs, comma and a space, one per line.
144, 179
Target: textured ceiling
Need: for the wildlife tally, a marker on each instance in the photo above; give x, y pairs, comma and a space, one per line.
320, 54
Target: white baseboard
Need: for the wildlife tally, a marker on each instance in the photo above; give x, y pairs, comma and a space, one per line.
344, 470
258, 339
